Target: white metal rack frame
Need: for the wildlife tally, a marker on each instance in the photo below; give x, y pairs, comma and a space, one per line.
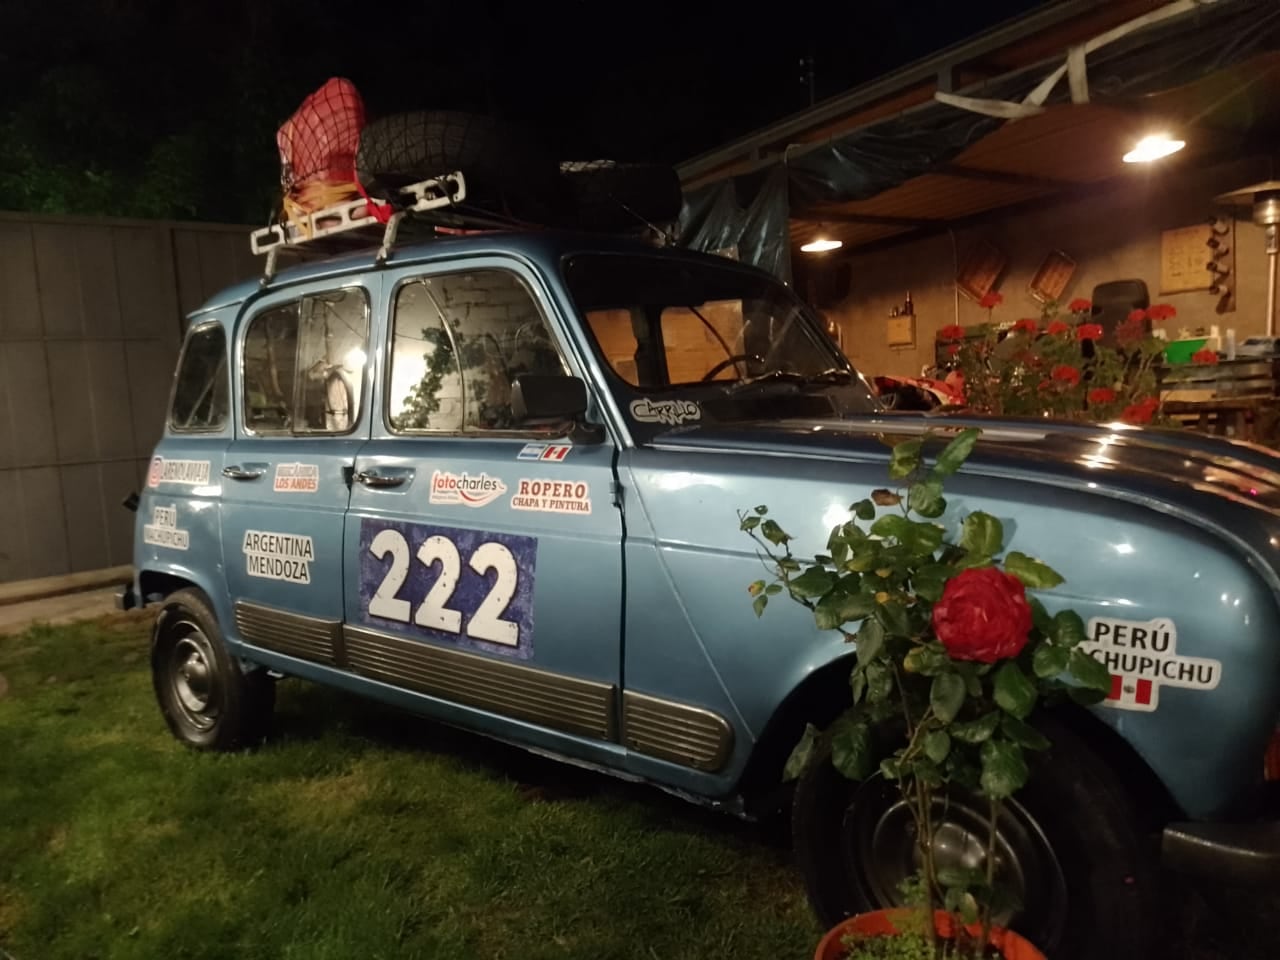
431, 194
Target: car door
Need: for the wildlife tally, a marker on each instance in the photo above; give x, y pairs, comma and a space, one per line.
302, 416
484, 564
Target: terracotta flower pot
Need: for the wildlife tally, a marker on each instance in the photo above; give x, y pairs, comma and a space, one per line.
881, 923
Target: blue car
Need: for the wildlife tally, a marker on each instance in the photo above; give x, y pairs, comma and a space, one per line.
494, 479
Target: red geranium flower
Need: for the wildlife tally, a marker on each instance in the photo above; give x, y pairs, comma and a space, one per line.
1066, 374
983, 615
1208, 357
1045, 385
953, 349
1100, 395
1026, 326
1089, 331
1057, 327
1136, 316
1079, 305
1140, 412
952, 331
992, 299
1131, 331
1162, 311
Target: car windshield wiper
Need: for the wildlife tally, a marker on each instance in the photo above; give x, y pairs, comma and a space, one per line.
832, 375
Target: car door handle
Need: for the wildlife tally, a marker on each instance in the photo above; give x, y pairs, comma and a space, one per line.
370, 479
242, 473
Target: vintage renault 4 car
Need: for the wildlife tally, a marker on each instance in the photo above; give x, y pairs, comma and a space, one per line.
495, 479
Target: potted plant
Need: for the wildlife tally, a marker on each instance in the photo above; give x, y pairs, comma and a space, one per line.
953, 662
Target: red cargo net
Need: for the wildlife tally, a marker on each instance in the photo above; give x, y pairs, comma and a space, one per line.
318, 149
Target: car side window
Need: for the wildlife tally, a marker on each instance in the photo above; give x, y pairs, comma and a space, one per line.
304, 364
458, 342
200, 391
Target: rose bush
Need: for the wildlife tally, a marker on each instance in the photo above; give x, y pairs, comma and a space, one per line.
983, 615
953, 658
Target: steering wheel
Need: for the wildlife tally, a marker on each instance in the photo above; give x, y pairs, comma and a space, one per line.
736, 358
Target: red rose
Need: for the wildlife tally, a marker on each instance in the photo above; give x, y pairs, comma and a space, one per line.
1162, 311
952, 331
1066, 374
1079, 305
990, 300
1205, 357
1089, 331
1100, 395
1026, 326
1136, 316
1056, 328
983, 615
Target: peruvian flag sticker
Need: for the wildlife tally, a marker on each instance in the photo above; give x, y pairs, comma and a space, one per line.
1142, 656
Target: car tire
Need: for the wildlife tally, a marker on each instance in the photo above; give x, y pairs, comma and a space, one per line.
1088, 871
607, 195
207, 700
506, 173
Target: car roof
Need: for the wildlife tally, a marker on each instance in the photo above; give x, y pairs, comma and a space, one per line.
545, 246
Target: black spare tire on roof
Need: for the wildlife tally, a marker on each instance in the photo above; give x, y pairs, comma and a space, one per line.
505, 170
608, 195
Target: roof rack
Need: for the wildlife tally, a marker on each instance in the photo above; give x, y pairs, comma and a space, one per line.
352, 215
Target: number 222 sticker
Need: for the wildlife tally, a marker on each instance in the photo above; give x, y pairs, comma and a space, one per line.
469, 587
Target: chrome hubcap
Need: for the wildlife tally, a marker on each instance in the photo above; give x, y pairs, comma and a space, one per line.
191, 678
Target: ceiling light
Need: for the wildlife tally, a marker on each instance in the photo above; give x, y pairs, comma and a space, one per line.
821, 245
1153, 148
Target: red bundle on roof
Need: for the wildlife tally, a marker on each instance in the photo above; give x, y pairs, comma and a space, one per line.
318, 149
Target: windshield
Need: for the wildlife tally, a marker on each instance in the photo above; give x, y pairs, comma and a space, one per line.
689, 340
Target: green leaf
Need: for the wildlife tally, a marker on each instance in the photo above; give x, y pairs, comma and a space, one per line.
759, 603
864, 510
756, 588
921, 539
890, 525
925, 498
1040, 617
837, 609
1032, 573
801, 754
762, 509
1086, 696
982, 534
976, 731
870, 641
905, 459
956, 452
967, 670
749, 523
946, 696
1090, 672
927, 660
1014, 693
962, 877
851, 750
865, 556
773, 589
1004, 771
814, 582
962, 903
894, 618
885, 498
774, 533
1023, 734
1067, 628
929, 580
937, 745
1049, 660
891, 768
879, 681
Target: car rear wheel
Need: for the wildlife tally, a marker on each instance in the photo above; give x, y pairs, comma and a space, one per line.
207, 700
1070, 847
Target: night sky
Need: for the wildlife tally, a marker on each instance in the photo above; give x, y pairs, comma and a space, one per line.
143, 107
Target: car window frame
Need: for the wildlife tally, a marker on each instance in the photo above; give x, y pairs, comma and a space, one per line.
366, 385
456, 268
192, 332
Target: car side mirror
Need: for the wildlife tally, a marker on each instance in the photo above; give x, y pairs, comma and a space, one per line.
539, 397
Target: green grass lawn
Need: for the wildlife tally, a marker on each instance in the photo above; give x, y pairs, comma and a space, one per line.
360, 832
